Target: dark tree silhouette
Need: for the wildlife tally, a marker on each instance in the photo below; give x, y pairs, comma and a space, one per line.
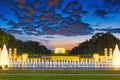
96, 44
30, 47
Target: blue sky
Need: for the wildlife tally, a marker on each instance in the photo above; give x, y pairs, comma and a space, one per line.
59, 23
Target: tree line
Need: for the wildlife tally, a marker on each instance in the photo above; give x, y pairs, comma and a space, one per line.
96, 44
30, 47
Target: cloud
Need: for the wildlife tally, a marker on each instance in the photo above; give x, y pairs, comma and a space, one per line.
52, 2
109, 1
74, 8
84, 12
20, 1
26, 19
113, 2
117, 2
15, 25
101, 8
51, 20
20, 5
113, 30
1, 16
29, 11
50, 37
13, 31
70, 6
101, 12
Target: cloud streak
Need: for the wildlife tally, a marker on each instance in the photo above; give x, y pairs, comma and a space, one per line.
114, 30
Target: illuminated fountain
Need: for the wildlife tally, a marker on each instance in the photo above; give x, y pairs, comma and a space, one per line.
116, 57
60, 62
4, 61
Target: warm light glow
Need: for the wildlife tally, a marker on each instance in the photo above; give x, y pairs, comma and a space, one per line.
116, 57
4, 61
59, 50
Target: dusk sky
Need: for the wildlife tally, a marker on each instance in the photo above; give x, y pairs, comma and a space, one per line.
59, 23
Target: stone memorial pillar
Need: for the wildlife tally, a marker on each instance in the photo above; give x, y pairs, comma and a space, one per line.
15, 53
10, 53
110, 53
106, 53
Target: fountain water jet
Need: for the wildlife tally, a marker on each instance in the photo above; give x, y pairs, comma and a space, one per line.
4, 61
116, 57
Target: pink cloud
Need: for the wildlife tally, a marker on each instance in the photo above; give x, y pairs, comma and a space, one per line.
52, 2
21, 5
30, 11
20, 1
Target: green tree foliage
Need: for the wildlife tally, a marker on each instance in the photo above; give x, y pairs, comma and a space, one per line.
30, 47
96, 44
4, 38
